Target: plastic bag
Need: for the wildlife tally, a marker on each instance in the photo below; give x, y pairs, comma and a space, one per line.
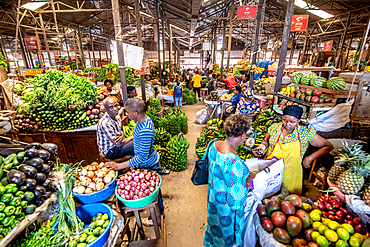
334, 119
266, 182
359, 207
201, 116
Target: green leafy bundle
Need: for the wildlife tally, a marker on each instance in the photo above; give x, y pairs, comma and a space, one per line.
3, 63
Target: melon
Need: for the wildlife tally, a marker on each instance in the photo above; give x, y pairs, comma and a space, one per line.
336, 83
305, 80
312, 75
296, 78
318, 82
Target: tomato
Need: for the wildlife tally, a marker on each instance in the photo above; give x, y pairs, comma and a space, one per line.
322, 241
331, 235
343, 233
341, 243
355, 241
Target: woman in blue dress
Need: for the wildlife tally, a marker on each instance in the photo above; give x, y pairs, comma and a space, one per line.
228, 183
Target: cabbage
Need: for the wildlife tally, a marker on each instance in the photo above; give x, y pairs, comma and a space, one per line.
18, 88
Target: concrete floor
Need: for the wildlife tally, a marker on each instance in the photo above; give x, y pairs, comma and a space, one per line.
186, 204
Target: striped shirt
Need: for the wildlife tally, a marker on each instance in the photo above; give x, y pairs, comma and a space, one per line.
145, 155
107, 130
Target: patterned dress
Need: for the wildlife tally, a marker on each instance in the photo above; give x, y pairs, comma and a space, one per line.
246, 108
227, 195
305, 134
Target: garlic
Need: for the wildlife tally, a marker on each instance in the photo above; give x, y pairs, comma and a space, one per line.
107, 179
92, 186
99, 186
84, 172
101, 165
88, 191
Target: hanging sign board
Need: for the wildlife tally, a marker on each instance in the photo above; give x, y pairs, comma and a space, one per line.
247, 12
32, 42
133, 55
299, 23
145, 68
328, 45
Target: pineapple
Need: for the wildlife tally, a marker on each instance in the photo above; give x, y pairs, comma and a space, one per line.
335, 172
366, 195
351, 181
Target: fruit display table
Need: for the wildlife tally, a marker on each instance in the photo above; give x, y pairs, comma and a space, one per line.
330, 69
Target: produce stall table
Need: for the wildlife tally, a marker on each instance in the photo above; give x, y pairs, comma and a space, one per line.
330, 69
212, 109
73, 146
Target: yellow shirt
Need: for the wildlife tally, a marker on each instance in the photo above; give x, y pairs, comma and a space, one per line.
197, 79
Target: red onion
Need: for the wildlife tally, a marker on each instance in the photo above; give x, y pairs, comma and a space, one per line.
136, 179
147, 192
125, 182
125, 192
156, 184
145, 171
129, 178
151, 189
144, 186
122, 186
141, 175
133, 189
119, 191
132, 194
123, 178
128, 197
152, 183
147, 177
136, 197
127, 187
136, 192
118, 182
134, 184
141, 194
129, 174
138, 187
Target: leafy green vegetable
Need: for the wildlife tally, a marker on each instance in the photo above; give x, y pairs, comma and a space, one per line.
3, 63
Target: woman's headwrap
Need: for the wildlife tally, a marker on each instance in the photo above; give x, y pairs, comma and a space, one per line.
294, 111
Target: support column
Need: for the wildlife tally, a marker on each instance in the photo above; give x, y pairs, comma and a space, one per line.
214, 43
303, 58
347, 52
284, 45
223, 48
170, 47
101, 61
140, 43
260, 10
230, 34
292, 50
118, 37
159, 43
80, 48
343, 38
65, 42
163, 41
92, 43
45, 38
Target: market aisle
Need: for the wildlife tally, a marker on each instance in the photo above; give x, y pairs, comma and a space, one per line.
186, 204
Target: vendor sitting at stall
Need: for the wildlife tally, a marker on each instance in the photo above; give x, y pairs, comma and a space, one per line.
247, 105
234, 101
289, 140
244, 82
131, 92
111, 141
109, 91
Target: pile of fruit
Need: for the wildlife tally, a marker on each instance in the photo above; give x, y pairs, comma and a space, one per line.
97, 227
259, 87
227, 96
256, 69
58, 101
315, 97
177, 154
351, 171
137, 184
93, 178
172, 120
311, 79
213, 97
286, 219
189, 97
215, 123
206, 136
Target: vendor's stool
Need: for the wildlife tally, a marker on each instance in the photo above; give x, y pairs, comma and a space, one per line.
158, 225
314, 174
204, 93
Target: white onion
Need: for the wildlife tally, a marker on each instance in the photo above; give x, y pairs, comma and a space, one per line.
99, 186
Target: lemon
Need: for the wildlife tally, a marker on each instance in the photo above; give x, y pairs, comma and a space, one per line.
322, 229
331, 235
333, 225
316, 225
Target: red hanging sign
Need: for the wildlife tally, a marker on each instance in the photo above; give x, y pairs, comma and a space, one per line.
247, 12
328, 45
299, 23
32, 42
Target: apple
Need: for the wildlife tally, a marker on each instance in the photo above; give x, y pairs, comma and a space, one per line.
322, 96
316, 93
331, 212
308, 233
321, 206
325, 213
298, 95
321, 100
359, 228
313, 244
331, 217
329, 207
299, 242
349, 217
339, 214
314, 99
345, 210
338, 219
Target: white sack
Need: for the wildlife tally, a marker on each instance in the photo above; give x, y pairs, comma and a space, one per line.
201, 116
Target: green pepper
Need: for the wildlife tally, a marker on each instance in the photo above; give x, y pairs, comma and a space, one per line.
18, 210
21, 216
24, 204
11, 189
2, 189
9, 210
6, 230
2, 216
15, 202
19, 194
2, 206
1, 229
6, 198
8, 166
6, 222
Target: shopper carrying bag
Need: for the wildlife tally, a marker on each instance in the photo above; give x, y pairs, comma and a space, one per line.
200, 173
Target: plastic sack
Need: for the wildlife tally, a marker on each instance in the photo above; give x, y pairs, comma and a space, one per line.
358, 206
201, 116
334, 119
266, 182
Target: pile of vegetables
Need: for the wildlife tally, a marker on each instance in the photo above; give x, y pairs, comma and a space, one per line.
58, 101
176, 157
35, 237
26, 185
137, 184
96, 228
189, 97
206, 136
3, 63
93, 178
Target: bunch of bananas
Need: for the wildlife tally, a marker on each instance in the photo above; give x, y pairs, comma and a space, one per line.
367, 69
256, 69
129, 129
227, 96
205, 137
184, 124
244, 153
163, 153
161, 137
174, 125
215, 66
155, 103
244, 62
177, 155
245, 53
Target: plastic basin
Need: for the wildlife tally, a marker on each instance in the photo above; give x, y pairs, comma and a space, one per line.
143, 202
86, 213
99, 195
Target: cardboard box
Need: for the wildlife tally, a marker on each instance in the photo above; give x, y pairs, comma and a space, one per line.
269, 88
